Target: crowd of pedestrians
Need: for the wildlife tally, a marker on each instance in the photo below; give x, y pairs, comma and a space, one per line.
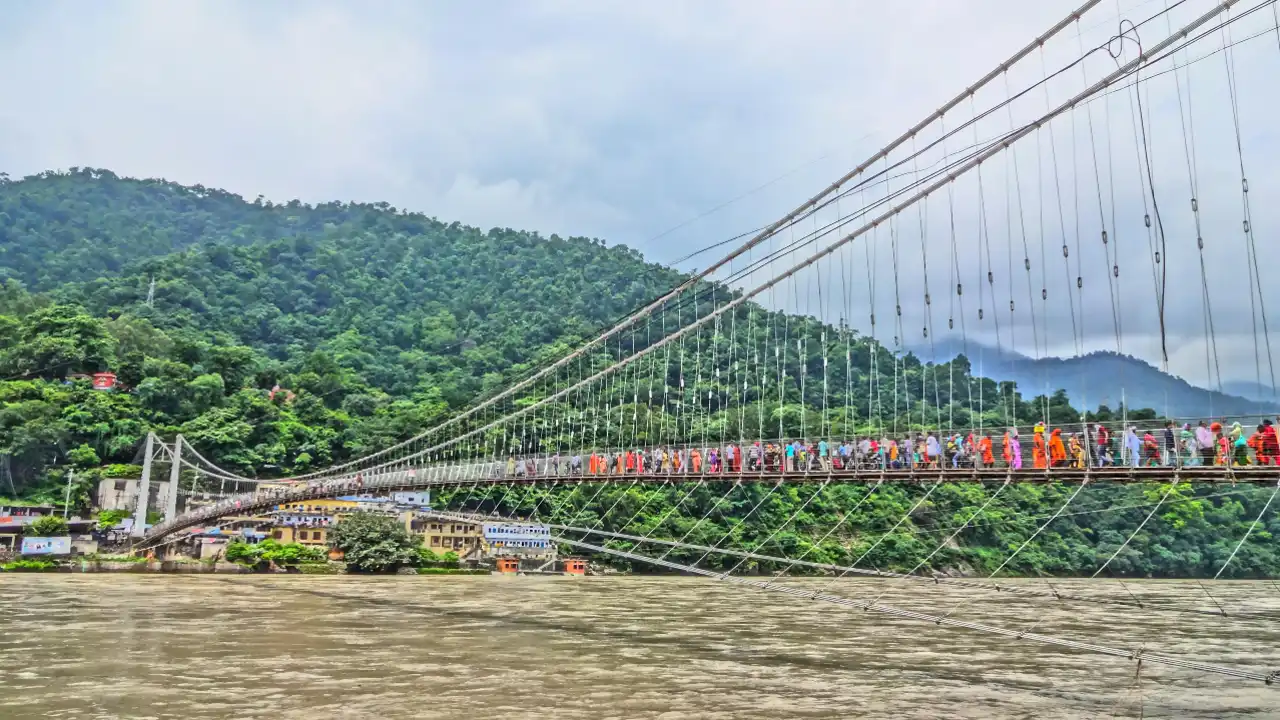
1094, 445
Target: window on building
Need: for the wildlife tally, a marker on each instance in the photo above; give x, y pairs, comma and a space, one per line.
435, 541
303, 534
277, 534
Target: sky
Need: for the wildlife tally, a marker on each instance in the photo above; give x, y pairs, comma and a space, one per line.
670, 126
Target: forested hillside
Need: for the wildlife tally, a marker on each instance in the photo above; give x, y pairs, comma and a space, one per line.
380, 322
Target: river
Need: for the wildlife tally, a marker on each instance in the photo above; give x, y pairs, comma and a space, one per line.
285, 647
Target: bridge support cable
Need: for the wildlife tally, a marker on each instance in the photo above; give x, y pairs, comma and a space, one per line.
1024, 546
790, 218
945, 543
882, 537
942, 621
1255, 279
1168, 491
939, 581
822, 486
1122, 72
1252, 526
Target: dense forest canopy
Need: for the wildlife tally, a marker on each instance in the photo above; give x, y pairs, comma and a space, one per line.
377, 323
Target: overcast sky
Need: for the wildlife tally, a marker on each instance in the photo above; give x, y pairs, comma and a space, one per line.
624, 120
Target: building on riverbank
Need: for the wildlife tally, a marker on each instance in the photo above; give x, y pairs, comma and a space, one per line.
442, 536
528, 541
15, 518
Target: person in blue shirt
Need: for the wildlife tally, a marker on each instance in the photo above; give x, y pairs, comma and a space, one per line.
823, 458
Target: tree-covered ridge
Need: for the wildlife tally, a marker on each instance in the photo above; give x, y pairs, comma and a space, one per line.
377, 323
60, 227
376, 320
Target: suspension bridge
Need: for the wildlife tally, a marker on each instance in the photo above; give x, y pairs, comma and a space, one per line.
1092, 191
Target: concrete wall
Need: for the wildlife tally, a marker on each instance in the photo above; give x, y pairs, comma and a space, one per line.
122, 494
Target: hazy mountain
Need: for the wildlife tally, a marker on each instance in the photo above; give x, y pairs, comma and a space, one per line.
1252, 391
1106, 378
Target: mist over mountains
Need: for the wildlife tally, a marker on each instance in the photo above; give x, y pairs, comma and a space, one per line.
1107, 378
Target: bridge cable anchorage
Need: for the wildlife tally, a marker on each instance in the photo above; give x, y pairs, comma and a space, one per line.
1172, 661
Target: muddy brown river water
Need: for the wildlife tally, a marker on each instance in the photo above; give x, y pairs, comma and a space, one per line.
304, 647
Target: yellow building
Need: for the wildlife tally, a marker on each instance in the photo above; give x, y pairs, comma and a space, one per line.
303, 535
307, 522
441, 536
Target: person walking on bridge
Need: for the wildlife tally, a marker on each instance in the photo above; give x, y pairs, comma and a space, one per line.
1104, 444
1013, 449
1039, 454
1186, 446
1133, 445
1270, 444
1204, 444
984, 451
1077, 452
933, 449
1170, 445
1057, 450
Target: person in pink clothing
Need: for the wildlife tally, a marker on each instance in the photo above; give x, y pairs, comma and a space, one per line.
1015, 449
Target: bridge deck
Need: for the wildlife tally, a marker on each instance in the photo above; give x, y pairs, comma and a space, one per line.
418, 479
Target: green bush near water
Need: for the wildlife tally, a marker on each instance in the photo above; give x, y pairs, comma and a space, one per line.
271, 552
29, 566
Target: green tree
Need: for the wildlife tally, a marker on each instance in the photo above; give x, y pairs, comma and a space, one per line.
84, 456
241, 552
59, 340
374, 543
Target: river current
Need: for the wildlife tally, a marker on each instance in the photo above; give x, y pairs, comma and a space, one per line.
286, 647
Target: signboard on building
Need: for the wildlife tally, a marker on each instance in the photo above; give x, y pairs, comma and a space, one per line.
46, 545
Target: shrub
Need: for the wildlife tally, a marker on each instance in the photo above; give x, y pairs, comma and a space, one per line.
108, 519
47, 526
28, 565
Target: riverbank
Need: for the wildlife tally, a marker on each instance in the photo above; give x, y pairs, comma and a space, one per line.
193, 567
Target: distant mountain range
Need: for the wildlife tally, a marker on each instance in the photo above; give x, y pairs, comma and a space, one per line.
1104, 378
1252, 391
